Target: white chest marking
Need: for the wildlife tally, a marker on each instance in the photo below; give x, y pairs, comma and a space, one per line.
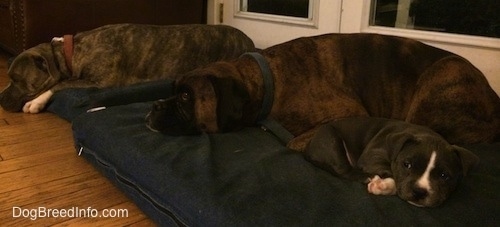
424, 181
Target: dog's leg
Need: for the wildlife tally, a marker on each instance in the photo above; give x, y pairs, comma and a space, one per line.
300, 142
328, 151
36, 105
379, 186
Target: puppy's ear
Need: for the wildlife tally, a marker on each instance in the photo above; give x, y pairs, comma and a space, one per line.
396, 141
231, 99
468, 159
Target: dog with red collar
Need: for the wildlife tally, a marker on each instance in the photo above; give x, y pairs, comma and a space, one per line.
392, 157
116, 55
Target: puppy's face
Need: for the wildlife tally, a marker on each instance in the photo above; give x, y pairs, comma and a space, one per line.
33, 72
203, 103
426, 172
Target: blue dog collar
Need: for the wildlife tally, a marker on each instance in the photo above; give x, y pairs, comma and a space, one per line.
267, 75
267, 124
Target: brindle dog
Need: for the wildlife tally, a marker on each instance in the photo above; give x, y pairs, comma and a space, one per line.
116, 55
323, 78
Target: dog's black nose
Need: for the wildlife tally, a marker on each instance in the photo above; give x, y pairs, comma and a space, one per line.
419, 193
160, 105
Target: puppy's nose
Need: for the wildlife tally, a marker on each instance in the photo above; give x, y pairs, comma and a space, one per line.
419, 193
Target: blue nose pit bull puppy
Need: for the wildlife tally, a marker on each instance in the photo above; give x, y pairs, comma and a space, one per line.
116, 55
392, 157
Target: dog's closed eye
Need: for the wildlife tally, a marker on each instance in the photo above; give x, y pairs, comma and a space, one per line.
40, 63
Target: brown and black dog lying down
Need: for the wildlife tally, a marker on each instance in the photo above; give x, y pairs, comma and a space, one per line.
116, 55
323, 78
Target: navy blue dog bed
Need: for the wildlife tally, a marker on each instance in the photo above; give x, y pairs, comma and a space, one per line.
246, 178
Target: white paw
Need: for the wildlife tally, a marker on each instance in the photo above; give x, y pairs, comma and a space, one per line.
379, 186
33, 107
38, 104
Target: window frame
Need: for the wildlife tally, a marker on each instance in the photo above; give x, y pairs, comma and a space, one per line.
432, 36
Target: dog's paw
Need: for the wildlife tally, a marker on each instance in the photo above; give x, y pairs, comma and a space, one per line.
33, 107
38, 104
379, 186
296, 145
300, 142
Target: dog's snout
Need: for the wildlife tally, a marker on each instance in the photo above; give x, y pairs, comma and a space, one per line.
165, 117
419, 193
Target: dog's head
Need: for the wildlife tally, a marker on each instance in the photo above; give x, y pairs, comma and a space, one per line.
31, 73
206, 100
427, 169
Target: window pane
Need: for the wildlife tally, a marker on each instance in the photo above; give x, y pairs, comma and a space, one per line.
472, 17
293, 8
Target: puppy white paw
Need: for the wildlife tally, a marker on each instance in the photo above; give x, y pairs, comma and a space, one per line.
379, 186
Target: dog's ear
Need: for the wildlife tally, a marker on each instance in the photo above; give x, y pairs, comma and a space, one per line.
396, 141
231, 99
57, 62
467, 158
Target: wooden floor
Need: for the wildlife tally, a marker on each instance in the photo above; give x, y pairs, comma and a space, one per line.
39, 169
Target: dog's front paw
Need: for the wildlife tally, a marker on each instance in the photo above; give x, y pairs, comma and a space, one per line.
300, 142
38, 104
379, 186
33, 107
297, 145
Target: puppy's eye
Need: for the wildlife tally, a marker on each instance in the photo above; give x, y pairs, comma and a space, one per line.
407, 164
185, 96
444, 176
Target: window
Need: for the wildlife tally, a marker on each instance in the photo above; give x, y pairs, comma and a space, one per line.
469, 17
292, 8
301, 12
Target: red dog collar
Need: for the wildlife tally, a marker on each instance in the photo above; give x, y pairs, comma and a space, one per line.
68, 51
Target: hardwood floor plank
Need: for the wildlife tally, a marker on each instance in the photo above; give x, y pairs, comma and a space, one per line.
51, 190
56, 139
38, 158
19, 118
19, 133
40, 174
